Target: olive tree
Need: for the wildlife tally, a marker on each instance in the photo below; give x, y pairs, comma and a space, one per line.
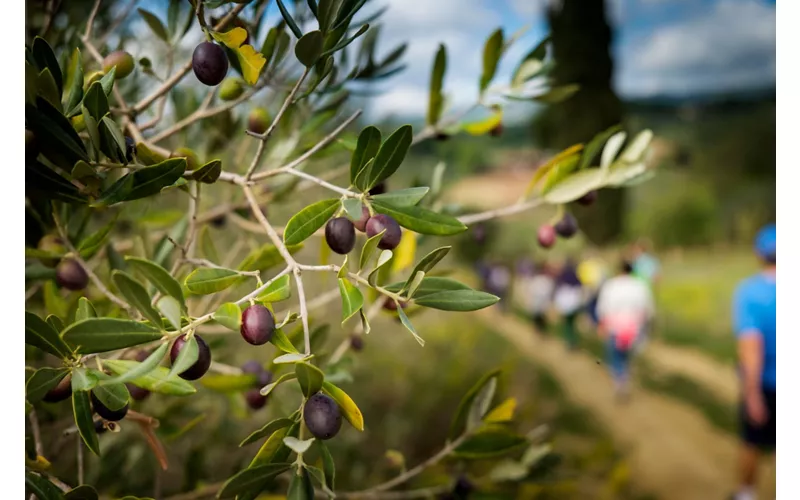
104, 310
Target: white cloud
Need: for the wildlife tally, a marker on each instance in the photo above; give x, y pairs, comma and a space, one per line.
727, 46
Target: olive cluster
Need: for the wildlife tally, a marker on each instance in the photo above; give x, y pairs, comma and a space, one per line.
566, 228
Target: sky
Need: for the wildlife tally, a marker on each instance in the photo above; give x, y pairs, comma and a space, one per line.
660, 47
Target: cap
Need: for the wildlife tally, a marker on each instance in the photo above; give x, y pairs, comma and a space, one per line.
765, 242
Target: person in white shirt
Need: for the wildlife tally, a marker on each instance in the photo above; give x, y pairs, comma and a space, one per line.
624, 306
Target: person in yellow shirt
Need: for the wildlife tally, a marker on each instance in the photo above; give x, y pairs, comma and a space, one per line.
593, 272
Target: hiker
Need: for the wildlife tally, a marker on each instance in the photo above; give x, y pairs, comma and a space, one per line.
754, 327
592, 271
498, 282
647, 267
539, 295
624, 306
568, 300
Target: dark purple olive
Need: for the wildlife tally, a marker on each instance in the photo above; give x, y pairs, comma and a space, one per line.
546, 236
60, 392
263, 376
142, 355
71, 275
130, 148
462, 488
497, 131
378, 188
340, 235
200, 367
137, 393
356, 343
361, 224
99, 426
588, 199
322, 416
379, 222
258, 324
567, 226
210, 64
254, 399
106, 412
391, 305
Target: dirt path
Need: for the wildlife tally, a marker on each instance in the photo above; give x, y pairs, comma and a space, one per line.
720, 379
673, 451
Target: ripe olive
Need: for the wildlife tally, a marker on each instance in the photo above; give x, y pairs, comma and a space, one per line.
106, 412
497, 131
379, 222
567, 226
130, 148
322, 416
356, 343
137, 393
340, 235
71, 275
210, 63
258, 325
99, 426
379, 188
60, 392
200, 367
254, 399
361, 224
588, 198
122, 60
546, 236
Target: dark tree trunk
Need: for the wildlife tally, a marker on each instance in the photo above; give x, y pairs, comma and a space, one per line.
581, 39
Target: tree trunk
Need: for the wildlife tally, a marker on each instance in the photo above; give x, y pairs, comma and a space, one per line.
581, 39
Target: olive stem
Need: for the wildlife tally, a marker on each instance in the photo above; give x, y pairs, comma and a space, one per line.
90, 22
79, 444
224, 369
263, 137
334, 268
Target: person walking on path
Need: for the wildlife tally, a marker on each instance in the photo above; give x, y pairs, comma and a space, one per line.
754, 313
624, 307
569, 300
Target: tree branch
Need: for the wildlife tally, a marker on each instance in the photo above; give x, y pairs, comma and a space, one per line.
263, 137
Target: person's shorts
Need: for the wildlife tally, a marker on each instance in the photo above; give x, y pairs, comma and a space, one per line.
760, 436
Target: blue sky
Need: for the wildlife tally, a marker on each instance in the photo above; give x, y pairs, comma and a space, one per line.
672, 47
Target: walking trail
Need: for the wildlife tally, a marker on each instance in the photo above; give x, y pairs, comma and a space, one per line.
673, 451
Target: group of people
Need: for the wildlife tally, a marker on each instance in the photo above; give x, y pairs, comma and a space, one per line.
620, 304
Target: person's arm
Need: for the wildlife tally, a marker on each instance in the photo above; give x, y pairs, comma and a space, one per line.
750, 348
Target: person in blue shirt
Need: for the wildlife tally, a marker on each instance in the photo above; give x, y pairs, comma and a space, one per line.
754, 327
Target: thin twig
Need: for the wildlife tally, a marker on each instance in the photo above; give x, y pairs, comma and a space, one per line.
79, 445
320, 182
224, 369
402, 478
88, 33
203, 113
500, 212
112, 28
37, 435
263, 137
317, 147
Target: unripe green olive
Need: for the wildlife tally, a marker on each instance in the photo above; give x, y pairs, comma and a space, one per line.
231, 88
258, 121
123, 62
